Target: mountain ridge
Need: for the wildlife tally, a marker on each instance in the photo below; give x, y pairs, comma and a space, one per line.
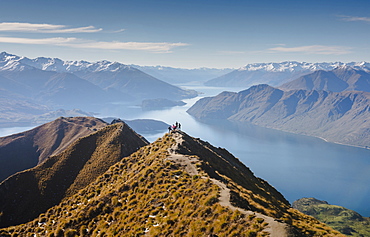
276, 74
36, 145
177, 185
64, 174
339, 117
343, 78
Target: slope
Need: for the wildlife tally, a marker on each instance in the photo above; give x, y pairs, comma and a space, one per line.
342, 219
176, 186
27, 149
136, 83
340, 79
340, 117
25, 195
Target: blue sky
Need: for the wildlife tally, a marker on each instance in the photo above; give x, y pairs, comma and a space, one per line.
187, 33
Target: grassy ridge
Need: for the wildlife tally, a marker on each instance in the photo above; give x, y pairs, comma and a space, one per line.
148, 194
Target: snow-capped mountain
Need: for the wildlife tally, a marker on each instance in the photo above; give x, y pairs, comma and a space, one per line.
116, 78
168, 74
292, 66
276, 74
14, 62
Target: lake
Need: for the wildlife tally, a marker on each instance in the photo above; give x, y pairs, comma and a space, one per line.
297, 166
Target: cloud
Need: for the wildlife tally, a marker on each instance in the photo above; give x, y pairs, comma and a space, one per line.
231, 52
118, 31
44, 28
162, 47
312, 49
46, 41
355, 18
147, 46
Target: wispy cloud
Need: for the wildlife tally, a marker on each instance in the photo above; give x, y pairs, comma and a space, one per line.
45, 28
312, 49
161, 47
354, 18
46, 41
118, 31
231, 52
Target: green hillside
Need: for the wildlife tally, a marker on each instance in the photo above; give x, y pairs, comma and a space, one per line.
339, 218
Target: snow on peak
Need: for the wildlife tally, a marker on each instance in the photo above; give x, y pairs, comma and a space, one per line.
293, 66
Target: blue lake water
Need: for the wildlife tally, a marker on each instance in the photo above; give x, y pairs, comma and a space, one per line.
297, 166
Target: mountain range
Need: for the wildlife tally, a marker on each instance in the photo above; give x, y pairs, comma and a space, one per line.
182, 75
276, 74
32, 87
342, 78
111, 182
340, 117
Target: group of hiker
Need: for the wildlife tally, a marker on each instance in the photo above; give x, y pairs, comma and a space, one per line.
174, 127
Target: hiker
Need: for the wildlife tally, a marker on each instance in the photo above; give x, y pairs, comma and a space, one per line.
173, 127
169, 129
179, 126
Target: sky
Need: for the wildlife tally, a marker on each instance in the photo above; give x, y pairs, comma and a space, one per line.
187, 33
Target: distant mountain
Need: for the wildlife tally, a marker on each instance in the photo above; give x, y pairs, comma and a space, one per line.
276, 74
346, 221
142, 125
25, 195
115, 77
176, 186
343, 78
15, 108
340, 117
181, 75
160, 103
25, 150
56, 89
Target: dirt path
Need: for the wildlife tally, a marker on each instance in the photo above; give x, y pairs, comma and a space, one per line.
275, 228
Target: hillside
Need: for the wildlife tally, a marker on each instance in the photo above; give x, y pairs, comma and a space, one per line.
340, 117
342, 219
24, 195
340, 79
276, 74
176, 186
27, 149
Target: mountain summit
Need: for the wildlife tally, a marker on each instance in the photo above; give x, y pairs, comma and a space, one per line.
26, 194
176, 186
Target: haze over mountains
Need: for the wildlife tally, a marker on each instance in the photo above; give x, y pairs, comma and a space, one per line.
340, 117
98, 184
35, 86
276, 74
